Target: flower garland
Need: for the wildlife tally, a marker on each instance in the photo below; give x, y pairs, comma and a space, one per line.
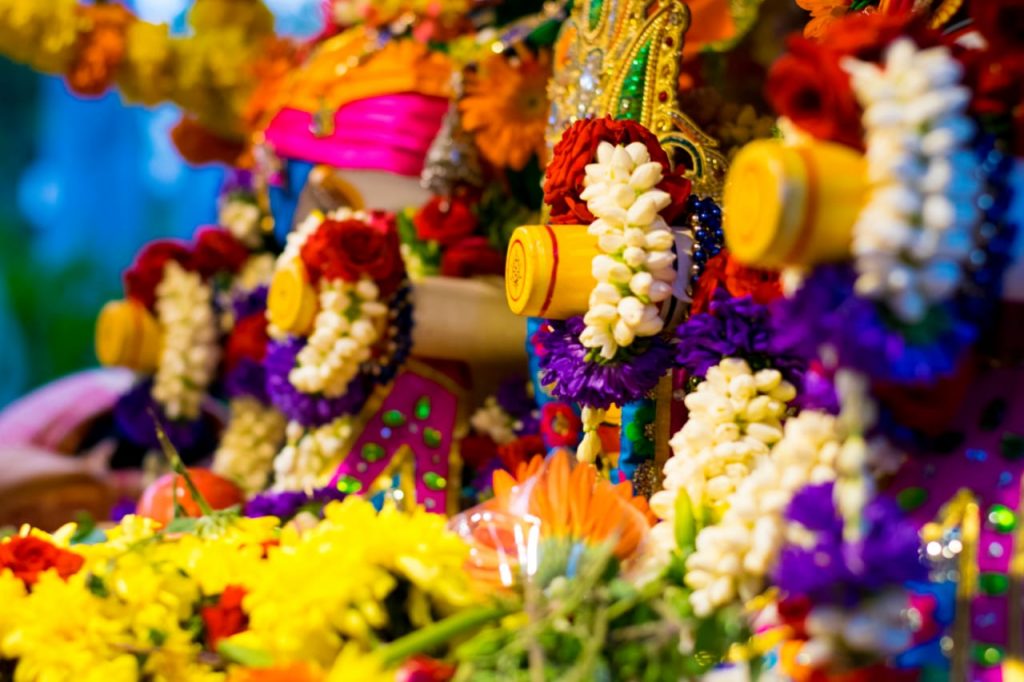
735, 417
733, 557
916, 230
307, 454
249, 443
190, 353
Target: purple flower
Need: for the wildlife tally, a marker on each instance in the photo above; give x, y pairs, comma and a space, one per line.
826, 311
514, 398
252, 302
247, 378
307, 409
594, 383
133, 415
237, 181
839, 571
735, 327
286, 504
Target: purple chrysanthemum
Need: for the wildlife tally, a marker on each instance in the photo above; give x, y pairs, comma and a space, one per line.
286, 504
574, 378
735, 327
247, 378
133, 415
514, 398
826, 311
252, 302
835, 570
304, 408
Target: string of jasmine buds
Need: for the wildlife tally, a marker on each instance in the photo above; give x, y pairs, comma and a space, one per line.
251, 440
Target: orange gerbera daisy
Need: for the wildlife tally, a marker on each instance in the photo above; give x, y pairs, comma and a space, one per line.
295, 672
505, 107
549, 503
823, 13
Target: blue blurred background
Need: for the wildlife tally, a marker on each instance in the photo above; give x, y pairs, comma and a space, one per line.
86, 183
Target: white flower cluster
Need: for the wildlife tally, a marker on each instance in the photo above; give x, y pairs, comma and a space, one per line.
735, 416
915, 232
349, 323
634, 271
190, 351
243, 220
491, 420
250, 441
733, 556
304, 461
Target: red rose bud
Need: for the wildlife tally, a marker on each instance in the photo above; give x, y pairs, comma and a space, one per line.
423, 669
147, 271
445, 220
563, 180
217, 250
27, 557
226, 617
472, 257
560, 425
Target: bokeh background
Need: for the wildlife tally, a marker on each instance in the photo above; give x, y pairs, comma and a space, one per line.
84, 184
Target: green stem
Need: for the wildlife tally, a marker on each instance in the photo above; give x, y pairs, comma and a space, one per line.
179, 468
438, 633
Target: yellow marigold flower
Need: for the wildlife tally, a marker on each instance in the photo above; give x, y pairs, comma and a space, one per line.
355, 664
12, 596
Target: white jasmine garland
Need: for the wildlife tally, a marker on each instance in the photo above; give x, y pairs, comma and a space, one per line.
242, 219
916, 230
250, 441
735, 416
733, 556
304, 463
634, 271
190, 351
349, 323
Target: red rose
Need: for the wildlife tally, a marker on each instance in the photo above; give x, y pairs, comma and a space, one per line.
349, 249
477, 451
560, 425
472, 257
27, 557
226, 617
563, 180
248, 340
997, 84
217, 250
145, 274
707, 285
445, 220
808, 86
520, 451
1000, 21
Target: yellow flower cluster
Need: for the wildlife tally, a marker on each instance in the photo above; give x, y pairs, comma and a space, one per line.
315, 597
209, 73
328, 585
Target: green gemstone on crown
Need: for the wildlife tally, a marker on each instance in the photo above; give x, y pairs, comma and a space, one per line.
988, 655
1002, 518
434, 481
631, 99
372, 452
393, 418
994, 584
595, 13
349, 485
432, 437
422, 408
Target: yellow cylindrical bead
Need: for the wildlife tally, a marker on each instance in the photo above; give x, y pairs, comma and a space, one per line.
127, 335
792, 204
548, 272
292, 302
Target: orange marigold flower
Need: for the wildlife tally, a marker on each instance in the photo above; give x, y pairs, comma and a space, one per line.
295, 672
101, 48
506, 108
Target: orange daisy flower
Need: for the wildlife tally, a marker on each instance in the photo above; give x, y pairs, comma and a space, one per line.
549, 500
505, 107
295, 672
823, 13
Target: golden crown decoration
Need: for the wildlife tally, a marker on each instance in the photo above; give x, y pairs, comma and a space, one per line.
620, 58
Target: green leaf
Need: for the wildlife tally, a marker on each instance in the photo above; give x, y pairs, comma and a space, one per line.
182, 524
179, 468
158, 637
243, 655
95, 584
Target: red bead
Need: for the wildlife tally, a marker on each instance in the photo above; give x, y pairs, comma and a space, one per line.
662, 96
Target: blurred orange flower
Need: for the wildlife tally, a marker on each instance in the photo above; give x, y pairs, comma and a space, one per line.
506, 108
823, 13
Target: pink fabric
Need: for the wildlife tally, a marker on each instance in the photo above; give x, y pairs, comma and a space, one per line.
390, 133
48, 415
